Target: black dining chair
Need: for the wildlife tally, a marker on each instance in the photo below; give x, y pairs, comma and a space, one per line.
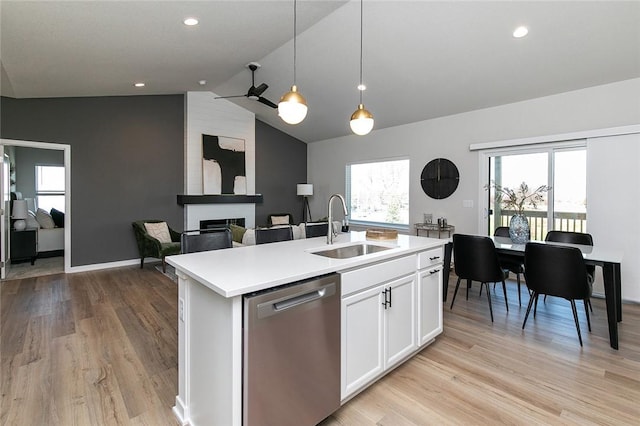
476, 259
317, 229
205, 240
581, 238
272, 235
556, 271
510, 262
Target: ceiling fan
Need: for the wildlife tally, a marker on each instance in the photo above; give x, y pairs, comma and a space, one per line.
254, 93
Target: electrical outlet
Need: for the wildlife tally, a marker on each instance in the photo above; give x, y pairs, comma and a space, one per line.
181, 309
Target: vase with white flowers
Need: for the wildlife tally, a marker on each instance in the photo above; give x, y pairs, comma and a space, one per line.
517, 200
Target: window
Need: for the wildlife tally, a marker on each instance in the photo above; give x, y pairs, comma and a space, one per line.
50, 187
560, 166
378, 193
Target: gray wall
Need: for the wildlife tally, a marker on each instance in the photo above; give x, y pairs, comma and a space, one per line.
26, 160
127, 160
126, 163
281, 163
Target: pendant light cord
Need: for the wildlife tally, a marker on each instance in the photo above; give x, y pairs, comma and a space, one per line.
295, 14
360, 88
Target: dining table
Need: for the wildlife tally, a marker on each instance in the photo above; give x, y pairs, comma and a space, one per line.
608, 259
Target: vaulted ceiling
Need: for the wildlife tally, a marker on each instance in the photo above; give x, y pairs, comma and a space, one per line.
422, 59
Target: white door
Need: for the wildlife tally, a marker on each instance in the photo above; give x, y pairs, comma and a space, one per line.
429, 304
362, 339
400, 320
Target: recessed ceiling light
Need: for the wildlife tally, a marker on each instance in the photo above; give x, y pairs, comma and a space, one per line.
202, 82
139, 84
520, 32
190, 21
362, 87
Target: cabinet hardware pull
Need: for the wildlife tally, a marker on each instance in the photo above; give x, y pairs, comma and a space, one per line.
385, 298
435, 271
434, 258
389, 296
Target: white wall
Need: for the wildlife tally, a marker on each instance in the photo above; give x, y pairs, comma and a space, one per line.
613, 203
216, 117
599, 107
610, 105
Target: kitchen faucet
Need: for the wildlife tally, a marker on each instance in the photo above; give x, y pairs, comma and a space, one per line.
330, 232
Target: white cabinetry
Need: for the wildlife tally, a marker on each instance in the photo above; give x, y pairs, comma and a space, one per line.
429, 295
378, 320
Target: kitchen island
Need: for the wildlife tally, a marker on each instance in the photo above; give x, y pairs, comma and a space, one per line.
210, 325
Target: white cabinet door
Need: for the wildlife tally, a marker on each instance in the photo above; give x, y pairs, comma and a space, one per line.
429, 304
362, 339
400, 319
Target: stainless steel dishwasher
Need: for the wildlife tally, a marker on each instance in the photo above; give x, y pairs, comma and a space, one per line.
291, 364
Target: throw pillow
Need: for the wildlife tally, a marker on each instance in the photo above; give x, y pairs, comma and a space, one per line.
44, 219
280, 220
249, 237
32, 222
237, 232
58, 217
159, 231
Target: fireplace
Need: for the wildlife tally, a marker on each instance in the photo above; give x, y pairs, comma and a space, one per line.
221, 223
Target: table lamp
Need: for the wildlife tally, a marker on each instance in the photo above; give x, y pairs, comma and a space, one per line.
19, 213
305, 189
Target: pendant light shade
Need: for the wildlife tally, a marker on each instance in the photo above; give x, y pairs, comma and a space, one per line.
361, 121
292, 107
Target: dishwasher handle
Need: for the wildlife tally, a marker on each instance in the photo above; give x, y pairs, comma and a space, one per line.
276, 306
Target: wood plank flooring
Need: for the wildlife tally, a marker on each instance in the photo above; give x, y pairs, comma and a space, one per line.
95, 348
100, 348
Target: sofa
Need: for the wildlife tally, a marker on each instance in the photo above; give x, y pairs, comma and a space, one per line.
247, 236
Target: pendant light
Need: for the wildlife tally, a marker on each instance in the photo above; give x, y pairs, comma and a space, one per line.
292, 107
361, 120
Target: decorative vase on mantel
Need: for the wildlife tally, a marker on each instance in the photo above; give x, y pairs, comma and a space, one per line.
519, 229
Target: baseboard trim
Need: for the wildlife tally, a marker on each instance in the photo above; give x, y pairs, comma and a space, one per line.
108, 265
179, 412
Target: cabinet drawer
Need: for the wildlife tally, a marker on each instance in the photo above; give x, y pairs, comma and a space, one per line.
367, 276
431, 257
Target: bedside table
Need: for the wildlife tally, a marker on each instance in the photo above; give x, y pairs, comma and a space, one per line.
24, 245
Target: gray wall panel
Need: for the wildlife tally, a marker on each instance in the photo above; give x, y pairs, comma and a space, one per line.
126, 163
281, 163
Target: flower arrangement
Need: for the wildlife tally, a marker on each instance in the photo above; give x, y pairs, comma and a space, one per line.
518, 199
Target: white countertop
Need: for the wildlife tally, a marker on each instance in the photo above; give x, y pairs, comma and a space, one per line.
241, 270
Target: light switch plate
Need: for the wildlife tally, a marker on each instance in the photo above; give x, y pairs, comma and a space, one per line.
467, 203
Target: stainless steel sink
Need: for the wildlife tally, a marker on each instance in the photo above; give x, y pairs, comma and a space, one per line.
346, 252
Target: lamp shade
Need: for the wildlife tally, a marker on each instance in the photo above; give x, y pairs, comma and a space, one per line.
305, 189
292, 107
19, 209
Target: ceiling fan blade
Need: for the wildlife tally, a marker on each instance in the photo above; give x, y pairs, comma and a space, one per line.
227, 97
267, 102
260, 89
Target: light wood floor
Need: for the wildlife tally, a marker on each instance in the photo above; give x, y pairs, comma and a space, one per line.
100, 348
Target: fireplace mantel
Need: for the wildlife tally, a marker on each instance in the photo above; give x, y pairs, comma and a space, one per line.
219, 199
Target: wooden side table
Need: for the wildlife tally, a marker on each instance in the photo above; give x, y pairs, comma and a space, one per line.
24, 245
442, 231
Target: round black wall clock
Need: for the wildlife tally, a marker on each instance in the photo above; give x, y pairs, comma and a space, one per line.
439, 178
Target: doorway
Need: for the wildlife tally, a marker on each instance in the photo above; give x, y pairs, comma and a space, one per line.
39, 174
560, 166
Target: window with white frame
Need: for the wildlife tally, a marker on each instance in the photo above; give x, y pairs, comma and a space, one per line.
50, 187
378, 192
561, 166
